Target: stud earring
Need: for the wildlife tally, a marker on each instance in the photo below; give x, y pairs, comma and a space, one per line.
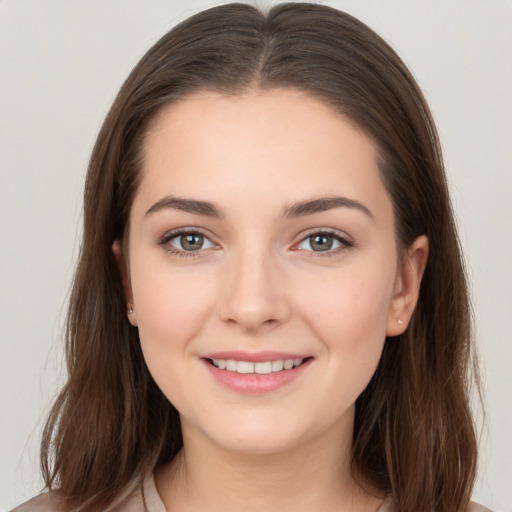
400, 321
130, 309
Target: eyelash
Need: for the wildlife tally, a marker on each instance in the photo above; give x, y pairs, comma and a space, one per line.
345, 243
180, 232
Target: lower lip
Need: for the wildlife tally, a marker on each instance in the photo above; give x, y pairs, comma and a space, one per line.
255, 383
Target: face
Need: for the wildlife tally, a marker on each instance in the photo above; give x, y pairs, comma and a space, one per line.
263, 267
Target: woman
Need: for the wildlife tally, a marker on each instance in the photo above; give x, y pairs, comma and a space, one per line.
270, 309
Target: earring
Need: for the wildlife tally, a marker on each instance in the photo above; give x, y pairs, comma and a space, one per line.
130, 309
400, 321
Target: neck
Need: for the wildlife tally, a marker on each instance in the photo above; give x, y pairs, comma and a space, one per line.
313, 476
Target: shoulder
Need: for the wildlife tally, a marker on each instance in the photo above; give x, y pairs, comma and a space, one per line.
129, 501
388, 506
47, 502
475, 507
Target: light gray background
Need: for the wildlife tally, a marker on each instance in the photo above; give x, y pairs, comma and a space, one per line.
61, 63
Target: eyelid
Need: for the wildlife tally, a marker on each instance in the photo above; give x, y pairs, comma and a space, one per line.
189, 230
345, 240
178, 238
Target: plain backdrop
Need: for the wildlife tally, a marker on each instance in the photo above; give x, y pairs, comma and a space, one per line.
61, 63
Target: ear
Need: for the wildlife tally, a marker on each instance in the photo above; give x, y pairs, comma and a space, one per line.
123, 270
407, 287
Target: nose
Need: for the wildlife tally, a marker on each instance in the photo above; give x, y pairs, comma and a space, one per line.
254, 291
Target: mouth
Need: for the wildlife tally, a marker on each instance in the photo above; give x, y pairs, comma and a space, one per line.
259, 368
262, 373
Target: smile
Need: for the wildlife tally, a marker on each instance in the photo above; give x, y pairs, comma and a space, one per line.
255, 373
261, 368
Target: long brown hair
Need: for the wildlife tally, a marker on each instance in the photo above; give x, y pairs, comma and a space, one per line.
414, 435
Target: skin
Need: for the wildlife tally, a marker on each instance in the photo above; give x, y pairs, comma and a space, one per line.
257, 284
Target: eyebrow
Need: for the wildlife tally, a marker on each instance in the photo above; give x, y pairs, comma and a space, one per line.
186, 205
323, 204
300, 209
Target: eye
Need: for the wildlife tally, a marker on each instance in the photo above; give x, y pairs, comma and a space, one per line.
323, 242
187, 241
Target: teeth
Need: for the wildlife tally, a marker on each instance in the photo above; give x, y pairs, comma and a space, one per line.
262, 368
277, 366
231, 365
244, 367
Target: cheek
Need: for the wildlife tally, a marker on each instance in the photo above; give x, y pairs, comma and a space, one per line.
171, 306
349, 314
171, 310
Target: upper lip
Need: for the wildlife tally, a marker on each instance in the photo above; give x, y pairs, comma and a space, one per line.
254, 357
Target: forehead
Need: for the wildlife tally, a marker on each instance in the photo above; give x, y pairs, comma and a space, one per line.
296, 114
272, 144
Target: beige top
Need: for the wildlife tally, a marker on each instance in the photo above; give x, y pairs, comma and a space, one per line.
145, 498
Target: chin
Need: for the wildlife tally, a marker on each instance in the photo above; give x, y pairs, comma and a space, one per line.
257, 445
256, 437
